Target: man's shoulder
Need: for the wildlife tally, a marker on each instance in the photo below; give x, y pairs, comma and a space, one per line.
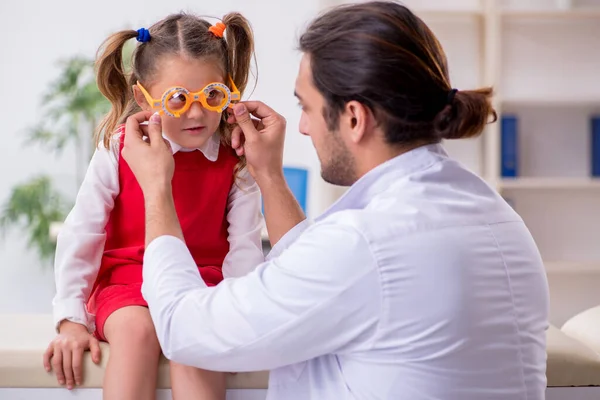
352, 219
358, 220
357, 226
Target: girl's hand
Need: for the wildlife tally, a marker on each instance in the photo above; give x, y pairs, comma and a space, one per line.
65, 353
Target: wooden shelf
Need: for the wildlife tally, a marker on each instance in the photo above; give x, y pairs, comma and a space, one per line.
549, 183
550, 102
575, 13
572, 267
437, 12
429, 14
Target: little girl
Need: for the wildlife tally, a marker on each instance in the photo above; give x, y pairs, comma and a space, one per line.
189, 72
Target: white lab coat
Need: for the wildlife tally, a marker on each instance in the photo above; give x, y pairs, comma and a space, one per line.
419, 283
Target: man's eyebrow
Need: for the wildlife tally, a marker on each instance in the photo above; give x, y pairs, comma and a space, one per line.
297, 95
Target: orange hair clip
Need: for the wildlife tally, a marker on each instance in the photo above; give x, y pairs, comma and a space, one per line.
217, 29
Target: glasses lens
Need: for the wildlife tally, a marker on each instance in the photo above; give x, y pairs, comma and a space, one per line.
176, 99
216, 96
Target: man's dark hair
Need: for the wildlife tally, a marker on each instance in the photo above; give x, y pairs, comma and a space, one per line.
385, 57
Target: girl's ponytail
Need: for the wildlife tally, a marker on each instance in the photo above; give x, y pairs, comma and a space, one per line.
112, 82
240, 48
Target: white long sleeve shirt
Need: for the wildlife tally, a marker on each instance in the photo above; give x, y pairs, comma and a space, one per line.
419, 283
80, 243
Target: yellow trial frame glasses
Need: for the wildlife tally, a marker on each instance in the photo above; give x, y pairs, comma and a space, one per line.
230, 96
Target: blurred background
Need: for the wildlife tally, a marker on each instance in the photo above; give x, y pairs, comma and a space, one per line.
543, 155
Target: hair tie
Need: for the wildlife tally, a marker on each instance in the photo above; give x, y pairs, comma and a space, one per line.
451, 95
217, 29
143, 35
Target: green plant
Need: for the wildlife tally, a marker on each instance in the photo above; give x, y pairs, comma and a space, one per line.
34, 206
73, 104
72, 107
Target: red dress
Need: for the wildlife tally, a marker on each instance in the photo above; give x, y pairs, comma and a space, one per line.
200, 191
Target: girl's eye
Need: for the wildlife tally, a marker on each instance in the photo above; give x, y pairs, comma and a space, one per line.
178, 97
177, 101
214, 97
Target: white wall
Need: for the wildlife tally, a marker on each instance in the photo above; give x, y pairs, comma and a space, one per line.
37, 40
34, 41
37, 33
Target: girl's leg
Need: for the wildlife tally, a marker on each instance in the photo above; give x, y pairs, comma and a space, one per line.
132, 369
198, 384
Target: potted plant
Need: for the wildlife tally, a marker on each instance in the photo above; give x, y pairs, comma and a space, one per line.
72, 107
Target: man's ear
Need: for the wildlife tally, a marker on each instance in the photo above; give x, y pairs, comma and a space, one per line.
140, 99
356, 118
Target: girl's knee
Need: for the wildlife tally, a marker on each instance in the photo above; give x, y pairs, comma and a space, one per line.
143, 334
131, 327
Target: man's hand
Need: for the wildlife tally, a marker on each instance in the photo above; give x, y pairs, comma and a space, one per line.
64, 354
260, 139
153, 165
151, 161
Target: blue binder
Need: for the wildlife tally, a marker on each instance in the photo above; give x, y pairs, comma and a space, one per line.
595, 146
509, 150
297, 180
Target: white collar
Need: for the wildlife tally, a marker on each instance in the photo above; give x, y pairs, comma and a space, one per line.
210, 149
374, 181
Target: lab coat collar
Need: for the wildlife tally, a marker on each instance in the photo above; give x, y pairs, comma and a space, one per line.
381, 177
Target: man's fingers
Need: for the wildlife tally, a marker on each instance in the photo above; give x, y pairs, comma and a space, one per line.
144, 129
244, 121
236, 137
258, 124
133, 131
140, 116
155, 130
258, 109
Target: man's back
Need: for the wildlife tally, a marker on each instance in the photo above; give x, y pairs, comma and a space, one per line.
461, 289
